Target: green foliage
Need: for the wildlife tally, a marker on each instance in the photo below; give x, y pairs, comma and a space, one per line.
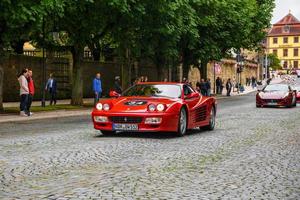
274, 62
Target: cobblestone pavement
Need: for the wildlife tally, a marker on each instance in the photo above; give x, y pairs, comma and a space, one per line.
253, 153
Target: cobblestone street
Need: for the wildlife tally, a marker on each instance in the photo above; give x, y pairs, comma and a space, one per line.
254, 153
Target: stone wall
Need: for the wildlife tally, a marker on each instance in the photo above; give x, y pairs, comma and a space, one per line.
62, 72
228, 70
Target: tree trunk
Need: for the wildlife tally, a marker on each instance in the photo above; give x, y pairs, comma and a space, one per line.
77, 83
1, 87
185, 70
203, 69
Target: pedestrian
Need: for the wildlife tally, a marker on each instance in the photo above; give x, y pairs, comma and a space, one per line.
97, 88
146, 79
142, 79
218, 85
24, 92
253, 82
228, 87
51, 87
31, 91
208, 87
165, 79
117, 86
203, 87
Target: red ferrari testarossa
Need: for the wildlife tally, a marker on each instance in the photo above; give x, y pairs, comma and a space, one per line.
155, 107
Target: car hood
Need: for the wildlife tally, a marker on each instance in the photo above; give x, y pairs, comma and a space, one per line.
273, 94
138, 104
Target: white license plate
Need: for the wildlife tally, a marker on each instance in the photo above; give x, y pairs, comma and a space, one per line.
272, 104
125, 127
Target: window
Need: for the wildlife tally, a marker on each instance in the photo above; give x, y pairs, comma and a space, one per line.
285, 64
296, 39
296, 63
275, 52
187, 90
285, 40
285, 52
275, 40
296, 52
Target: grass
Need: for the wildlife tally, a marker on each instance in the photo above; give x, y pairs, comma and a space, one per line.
48, 108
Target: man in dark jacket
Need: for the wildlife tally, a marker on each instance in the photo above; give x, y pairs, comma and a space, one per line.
208, 87
117, 86
203, 87
218, 85
228, 86
51, 87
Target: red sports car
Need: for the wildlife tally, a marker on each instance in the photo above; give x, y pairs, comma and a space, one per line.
276, 95
155, 107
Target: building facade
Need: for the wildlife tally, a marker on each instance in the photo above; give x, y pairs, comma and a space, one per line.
283, 40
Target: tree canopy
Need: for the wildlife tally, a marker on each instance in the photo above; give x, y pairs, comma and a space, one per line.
187, 32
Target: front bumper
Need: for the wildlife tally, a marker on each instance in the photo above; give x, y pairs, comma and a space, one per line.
272, 102
169, 122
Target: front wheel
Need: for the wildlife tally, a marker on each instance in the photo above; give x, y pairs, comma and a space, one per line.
182, 123
212, 121
107, 133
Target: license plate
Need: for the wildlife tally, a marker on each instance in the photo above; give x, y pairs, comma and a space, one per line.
125, 127
272, 104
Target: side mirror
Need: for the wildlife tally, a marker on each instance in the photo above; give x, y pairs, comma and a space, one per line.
192, 95
114, 94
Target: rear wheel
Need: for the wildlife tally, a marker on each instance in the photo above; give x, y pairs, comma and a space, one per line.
212, 121
182, 123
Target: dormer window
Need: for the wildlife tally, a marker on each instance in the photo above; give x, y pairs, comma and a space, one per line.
286, 29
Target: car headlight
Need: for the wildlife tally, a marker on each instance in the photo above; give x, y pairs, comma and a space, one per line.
286, 95
153, 120
100, 119
99, 106
106, 107
160, 107
151, 107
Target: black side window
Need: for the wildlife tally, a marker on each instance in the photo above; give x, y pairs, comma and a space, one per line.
186, 90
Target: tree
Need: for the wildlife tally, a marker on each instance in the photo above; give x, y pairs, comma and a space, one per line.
274, 62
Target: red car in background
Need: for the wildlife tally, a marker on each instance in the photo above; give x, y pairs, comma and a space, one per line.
276, 95
155, 107
297, 88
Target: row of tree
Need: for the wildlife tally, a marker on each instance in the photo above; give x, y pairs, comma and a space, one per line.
185, 32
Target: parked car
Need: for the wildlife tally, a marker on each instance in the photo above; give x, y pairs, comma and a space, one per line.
276, 95
155, 107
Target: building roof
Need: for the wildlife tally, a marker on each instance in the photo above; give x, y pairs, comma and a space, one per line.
288, 19
288, 25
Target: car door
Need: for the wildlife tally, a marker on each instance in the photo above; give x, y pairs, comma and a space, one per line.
191, 99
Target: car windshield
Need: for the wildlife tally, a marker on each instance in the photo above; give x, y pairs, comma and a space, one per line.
276, 87
154, 90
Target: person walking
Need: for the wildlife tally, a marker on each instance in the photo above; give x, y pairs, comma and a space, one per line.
117, 86
24, 92
31, 91
51, 87
253, 82
228, 87
218, 85
97, 88
208, 87
203, 87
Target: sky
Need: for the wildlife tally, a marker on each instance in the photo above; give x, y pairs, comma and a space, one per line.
282, 9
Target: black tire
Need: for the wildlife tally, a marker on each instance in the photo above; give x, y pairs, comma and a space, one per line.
258, 106
182, 123
108, 133
212, 121
295, 101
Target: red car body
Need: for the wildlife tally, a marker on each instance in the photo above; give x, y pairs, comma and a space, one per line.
277, 97
136, 111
